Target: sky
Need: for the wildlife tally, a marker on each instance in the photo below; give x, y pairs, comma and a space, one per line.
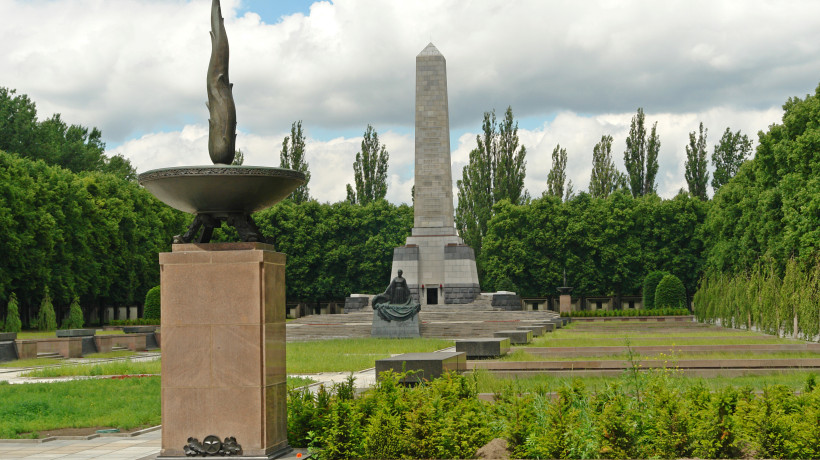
571, 71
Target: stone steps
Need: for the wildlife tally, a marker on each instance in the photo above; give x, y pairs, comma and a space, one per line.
50, 354
435, 324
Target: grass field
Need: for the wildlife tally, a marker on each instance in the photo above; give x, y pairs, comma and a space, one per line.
488, 383
522, 355
344, 355
117, 403
28, 335
124, 367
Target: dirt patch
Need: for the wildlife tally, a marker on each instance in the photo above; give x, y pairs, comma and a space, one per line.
495, 450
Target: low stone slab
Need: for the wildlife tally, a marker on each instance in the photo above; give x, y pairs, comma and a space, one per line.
566, 320
537, 330
76, 332
548, 326
138, 329
427, 365
406, 329
8, 336
483, 348
516, 336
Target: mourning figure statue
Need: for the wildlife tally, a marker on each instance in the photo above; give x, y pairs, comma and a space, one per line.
396, 303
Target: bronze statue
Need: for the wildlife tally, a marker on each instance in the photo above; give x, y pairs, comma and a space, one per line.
222, 124
396, 303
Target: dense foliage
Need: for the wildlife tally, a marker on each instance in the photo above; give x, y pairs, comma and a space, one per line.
89, 235
670, 293
771, 208
152, 308
336, 249
761, 298
292, 156
650, 284
606, 245
369, 170
643, 415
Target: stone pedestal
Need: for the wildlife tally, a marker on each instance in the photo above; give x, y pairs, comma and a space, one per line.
407, 329
223, 351
564, 300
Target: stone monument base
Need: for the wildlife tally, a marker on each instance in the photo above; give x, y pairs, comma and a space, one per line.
407, 329
223, 350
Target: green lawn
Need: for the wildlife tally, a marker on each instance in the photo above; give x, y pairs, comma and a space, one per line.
123, 367
344, 355
119, 403
28, 335
671, 357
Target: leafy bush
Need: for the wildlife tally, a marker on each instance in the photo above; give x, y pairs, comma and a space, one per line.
135, 322
626, 313
152, 304
13, 323
75, 318
650, 284
46, 318
670, 293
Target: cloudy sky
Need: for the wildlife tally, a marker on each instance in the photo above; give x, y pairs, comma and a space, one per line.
571, 70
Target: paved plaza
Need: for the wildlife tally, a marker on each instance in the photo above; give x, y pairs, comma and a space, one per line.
144, 446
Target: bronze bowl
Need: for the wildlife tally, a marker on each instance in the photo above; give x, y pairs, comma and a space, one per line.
221, 190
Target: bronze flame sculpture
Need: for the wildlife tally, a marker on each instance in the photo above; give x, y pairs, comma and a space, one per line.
222, 192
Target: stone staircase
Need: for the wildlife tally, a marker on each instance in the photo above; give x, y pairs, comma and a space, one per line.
477, 319
49, 355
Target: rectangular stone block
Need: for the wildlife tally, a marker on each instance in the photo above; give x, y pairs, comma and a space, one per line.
484, 347
427, 366
537, 330
548, 327
516, 336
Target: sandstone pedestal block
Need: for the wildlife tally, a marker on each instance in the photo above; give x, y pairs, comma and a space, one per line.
223, 351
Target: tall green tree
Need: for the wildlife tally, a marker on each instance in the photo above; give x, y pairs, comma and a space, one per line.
238, 158
605, 177
292, 156
495, 172
369, 170
696, 174
729, 154
510, 163
641, 156
558, 173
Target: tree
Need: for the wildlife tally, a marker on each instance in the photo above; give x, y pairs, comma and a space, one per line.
13, 323
650, 284
75, 318
605, 177
292, 156
558, 173
641, 156
152, 308
729, 154
369, 170
495, 172
696, 174
46, 318
670, 293
238, 158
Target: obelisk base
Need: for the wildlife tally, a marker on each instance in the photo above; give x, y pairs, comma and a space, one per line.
223, 349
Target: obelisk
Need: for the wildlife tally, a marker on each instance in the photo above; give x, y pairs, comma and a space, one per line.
437, 264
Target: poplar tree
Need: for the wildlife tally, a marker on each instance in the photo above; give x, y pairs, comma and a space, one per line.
605, 177
558, 173
729, 154
238, 158
641, 156
292, 156
496, 172
696, 175
369, 170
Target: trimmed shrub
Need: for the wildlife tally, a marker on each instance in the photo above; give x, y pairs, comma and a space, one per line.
650, 284
152, 304
46, 318
75, 318
670, 293
13, 323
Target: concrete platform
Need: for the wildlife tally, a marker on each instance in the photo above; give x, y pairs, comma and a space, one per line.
427, 365
516, 336
537, 330
483, 347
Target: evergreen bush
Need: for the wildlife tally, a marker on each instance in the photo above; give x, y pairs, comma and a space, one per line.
670, 293
46, 318
650, 284
75, 318
152, 304
13, 323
